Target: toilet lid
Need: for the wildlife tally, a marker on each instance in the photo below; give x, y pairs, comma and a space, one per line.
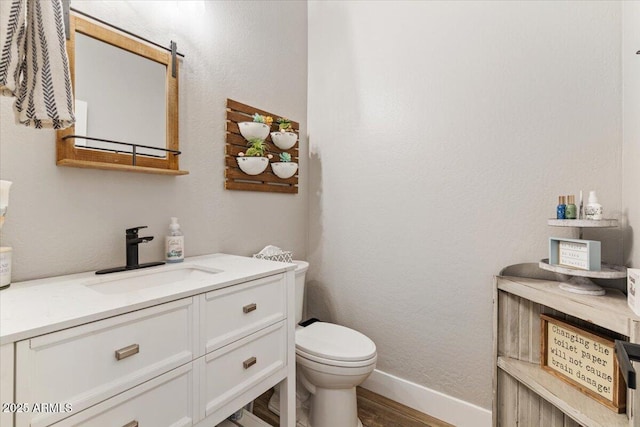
334, 342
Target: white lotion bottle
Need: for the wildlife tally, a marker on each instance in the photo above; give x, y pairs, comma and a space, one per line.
593, 210
5, 251
174, 243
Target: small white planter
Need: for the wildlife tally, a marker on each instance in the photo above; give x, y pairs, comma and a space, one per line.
284, 140
284, 170
252, 165
251, 130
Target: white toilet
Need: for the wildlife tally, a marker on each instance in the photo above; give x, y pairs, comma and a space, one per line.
331, 361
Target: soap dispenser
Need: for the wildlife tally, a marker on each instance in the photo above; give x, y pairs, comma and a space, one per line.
174, 243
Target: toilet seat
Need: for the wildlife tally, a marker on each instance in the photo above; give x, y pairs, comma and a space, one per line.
335, 345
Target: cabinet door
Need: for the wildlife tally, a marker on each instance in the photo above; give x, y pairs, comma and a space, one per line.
232, 313
165, 401
237, 367
87, 364
6, 382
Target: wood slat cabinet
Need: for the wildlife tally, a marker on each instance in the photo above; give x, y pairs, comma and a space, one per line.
526, 395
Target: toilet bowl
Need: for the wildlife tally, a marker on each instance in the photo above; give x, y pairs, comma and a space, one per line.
331, 361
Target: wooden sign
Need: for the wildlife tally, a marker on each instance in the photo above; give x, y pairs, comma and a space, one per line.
583, 359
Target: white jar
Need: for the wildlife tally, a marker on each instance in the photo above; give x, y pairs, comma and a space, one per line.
593, 210
5, 266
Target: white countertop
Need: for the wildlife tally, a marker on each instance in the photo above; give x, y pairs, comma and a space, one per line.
37, 307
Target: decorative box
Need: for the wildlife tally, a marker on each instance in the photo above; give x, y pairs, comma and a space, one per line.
633, 288
575, 253
285, 256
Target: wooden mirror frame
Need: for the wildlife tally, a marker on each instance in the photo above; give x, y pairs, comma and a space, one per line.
67, 154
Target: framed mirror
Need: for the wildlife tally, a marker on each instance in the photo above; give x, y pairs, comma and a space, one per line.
126, 103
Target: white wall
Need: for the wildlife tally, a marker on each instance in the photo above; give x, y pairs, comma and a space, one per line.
631, 129
65, 220
441, 134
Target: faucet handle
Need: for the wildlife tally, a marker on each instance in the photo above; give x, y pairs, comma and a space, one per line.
133, 232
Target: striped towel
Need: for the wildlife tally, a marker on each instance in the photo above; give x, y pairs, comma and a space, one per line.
34, 66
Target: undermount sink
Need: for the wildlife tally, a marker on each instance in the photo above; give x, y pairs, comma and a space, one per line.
144, 279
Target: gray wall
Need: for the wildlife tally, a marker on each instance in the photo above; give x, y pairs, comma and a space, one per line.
441, 134
65, 220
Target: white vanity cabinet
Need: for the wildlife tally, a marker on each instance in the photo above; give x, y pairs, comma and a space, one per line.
6, 384
244, 335
88, 364
231, 313
188, 361
143, 405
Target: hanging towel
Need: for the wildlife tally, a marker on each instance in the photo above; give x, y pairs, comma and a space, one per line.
34, 66
12, 31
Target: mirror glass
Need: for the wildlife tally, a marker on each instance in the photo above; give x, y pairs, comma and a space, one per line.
126, 90
119, 96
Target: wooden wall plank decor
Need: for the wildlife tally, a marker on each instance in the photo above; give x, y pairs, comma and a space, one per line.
267, 181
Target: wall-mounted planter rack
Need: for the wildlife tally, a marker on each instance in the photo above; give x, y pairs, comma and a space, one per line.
267, 181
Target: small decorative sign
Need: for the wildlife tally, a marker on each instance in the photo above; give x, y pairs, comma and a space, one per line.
583, 359
575, 253
633, 289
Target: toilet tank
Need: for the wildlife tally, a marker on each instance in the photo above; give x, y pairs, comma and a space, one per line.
301, 273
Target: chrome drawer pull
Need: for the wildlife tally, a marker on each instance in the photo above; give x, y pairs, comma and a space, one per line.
133, 423
249, 308
123, 353
249, 362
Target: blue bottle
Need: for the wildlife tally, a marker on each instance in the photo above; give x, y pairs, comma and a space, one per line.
562, 208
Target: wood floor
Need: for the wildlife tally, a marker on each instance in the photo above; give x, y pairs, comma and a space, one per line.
374, 411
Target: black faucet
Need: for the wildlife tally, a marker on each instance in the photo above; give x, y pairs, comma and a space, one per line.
132, 242
132, 245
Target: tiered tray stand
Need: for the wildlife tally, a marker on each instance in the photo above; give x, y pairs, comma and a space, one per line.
579, 281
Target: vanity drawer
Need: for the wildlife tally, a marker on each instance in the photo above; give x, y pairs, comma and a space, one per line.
166, 400
231, 313
85, 365
235, 368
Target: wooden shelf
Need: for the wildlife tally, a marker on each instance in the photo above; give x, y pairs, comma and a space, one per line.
575, 404
120, 167
247, 420
607, 271
609, 311
583, 223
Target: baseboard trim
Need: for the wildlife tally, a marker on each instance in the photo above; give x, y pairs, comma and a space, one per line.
439, 405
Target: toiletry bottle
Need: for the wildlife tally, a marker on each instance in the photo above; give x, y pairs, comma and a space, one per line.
5, 266
571, 211
593, 210
581, 208
561, 209
174, 243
